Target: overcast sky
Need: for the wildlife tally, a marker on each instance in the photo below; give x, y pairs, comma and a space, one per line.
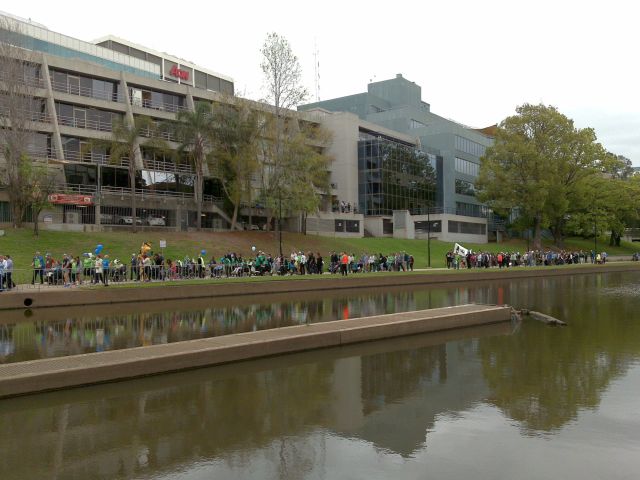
475, 60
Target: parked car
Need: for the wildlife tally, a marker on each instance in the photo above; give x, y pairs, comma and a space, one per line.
154, 221
128, 220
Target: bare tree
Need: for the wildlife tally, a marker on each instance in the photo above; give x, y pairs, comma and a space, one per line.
19, 80
283, 77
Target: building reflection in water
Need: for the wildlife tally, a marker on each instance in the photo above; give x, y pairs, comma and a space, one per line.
373, 392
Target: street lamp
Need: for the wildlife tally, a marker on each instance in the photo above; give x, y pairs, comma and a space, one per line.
280, 221
595, 235
429, 237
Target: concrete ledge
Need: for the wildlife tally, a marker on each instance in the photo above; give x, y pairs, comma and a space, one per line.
58, 297
65, 372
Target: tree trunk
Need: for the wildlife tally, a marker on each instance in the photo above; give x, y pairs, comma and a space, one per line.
558, 237
36, 226
16, 214
234, 218
537, 232
614, 239
132, 182
198, 191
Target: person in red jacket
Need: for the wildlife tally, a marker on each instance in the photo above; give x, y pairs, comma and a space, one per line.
344, 263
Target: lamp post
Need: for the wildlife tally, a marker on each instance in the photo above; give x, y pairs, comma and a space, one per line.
595, 235
428, 239
280, 220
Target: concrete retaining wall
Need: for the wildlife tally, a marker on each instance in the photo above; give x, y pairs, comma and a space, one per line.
65, 372
58, 297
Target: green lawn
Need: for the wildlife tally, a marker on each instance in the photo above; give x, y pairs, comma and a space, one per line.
21, 244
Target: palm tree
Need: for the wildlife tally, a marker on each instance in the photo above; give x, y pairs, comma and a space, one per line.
125, 144
195, 131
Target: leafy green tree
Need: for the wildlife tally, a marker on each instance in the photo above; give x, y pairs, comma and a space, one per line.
196, 131
41, 184
124, 147
537, 165
238, 128
305, 172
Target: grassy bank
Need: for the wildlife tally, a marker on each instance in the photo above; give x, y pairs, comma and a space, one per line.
21, 244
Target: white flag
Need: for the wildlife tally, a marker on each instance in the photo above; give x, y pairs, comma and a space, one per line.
459, 249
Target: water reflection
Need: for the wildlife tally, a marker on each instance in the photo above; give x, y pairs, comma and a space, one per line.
371, 391
70, 331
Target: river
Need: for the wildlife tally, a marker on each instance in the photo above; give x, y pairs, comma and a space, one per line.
524, 401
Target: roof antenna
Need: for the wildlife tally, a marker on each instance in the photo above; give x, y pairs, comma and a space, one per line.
316, 62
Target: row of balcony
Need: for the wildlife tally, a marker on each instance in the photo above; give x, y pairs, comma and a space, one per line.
125, 192
77, 90
104, 159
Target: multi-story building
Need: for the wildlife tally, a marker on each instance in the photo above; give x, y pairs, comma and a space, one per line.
398, 169
454, 151
79, 90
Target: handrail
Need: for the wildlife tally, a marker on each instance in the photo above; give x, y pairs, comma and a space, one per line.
76, 188
167, 166
34, 116
142, 192
97, 158
164, 134
84, 92
84, 123
167, 107
28, 80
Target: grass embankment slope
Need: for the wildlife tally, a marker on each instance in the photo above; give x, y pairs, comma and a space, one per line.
21, 244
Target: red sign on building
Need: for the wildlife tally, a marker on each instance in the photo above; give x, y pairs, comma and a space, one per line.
179, 73
66, 199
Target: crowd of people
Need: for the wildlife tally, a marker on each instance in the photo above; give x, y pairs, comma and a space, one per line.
146, 266
531, 258
98, 268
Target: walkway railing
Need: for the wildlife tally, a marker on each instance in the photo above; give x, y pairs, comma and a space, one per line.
84, 92
84, 123
126, 191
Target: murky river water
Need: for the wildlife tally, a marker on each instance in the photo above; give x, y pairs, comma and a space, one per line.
498, 402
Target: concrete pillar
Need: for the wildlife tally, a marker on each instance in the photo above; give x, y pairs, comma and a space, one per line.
191, 105
51, 107
129, 118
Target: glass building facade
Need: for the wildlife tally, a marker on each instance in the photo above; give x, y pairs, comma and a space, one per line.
33, 37
394, 176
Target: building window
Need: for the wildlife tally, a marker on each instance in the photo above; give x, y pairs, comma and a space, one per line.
469, 146
413, 124
394, 176
423, 227
467, 167
467, 227
339, 226
471, 209
465, 188
353, 226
